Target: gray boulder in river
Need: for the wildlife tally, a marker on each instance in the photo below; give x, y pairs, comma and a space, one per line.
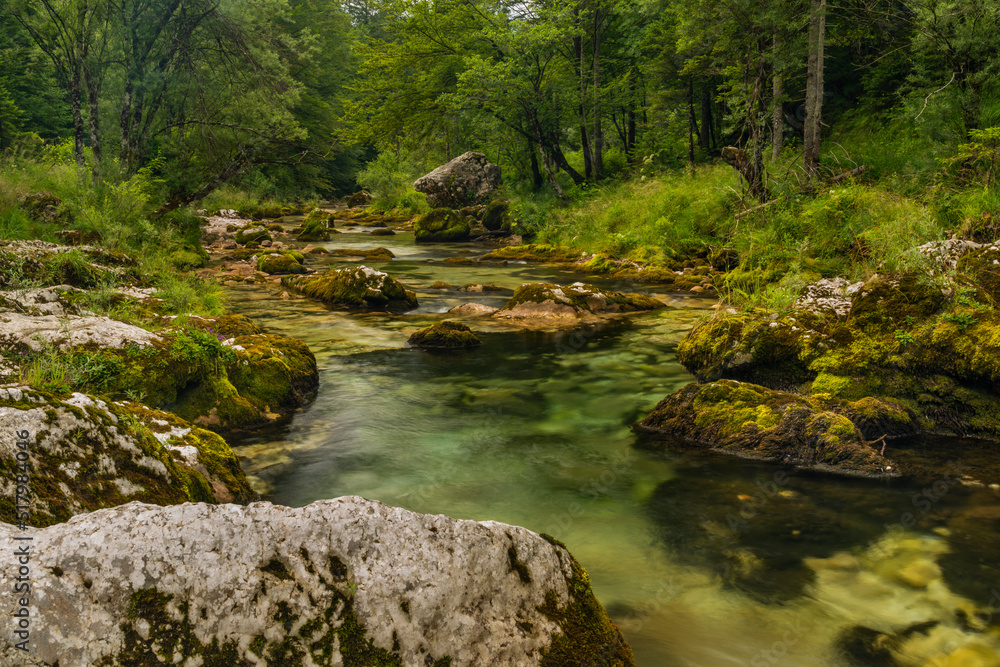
468, 179
340, 582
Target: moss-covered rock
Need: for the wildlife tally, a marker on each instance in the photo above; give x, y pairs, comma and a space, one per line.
496, 216
755, 422
358, 287
383, 231
545, 301
441, 225
252, 234
541, 252
45, 207
368, 254
445, 335
280, 263
85, 454
360, 198
314, 230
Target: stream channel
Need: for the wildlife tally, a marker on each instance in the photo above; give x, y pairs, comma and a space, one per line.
702, 560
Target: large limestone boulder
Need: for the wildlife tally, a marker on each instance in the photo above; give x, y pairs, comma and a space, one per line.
84, 454
339, 582
357, 287
468, 179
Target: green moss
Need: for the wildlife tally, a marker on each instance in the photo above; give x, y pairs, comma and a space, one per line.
445, 335
826, 383
369, 254
280, 263
582, 298
440, 225
314, 230
541, 253
252, 234
588, 635
496, 216
358, 287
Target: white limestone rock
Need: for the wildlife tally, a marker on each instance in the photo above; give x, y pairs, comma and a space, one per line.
279, 586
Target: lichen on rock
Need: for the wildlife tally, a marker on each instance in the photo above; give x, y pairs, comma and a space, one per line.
87, 454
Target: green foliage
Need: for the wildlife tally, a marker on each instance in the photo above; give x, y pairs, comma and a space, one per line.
981, 155
389, 178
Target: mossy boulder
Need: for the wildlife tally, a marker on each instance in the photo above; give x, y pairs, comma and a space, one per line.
87, 454
357, 287
314, 230
383, 231
755, 422
252, 234
186, 259
445, 335
282, 263
545, 301
496, 216
360, 198
440, 226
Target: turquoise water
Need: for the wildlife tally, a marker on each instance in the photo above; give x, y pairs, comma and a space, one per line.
702, 561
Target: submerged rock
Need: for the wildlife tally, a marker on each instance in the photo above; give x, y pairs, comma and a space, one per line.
86, 454
468, 179
440, 226
339, 582
445, 335
358, 287
755, 422
540, 302
473, 310
368, 254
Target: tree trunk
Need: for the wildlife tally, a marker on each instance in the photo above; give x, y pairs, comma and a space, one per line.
707, 139
814, 88
598, 132
691, 124
630, 139
94, 99
584, 135
76, 100
777, 124
536, 175
972, 94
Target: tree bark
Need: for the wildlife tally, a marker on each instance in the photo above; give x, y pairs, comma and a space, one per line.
76, 100
707, 137
582, 110
691, 124
94, 111
814, 88
777, 124
598, 131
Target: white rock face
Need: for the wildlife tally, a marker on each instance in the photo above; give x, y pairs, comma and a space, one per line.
467, 179
829, 295
418, 586
70, 331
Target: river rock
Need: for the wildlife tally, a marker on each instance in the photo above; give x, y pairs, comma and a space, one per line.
496, 216
754, 422
340, 582
473, 310
280, 263
442, 225
252, 234
445, 335
86, 454
468, 179
541, 302
357, 287
360, 198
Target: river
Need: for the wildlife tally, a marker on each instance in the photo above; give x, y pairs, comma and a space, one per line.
703, 561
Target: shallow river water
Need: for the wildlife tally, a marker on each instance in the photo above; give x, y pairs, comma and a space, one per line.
703, 561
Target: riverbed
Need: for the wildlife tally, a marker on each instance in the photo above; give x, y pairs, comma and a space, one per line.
703, 561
